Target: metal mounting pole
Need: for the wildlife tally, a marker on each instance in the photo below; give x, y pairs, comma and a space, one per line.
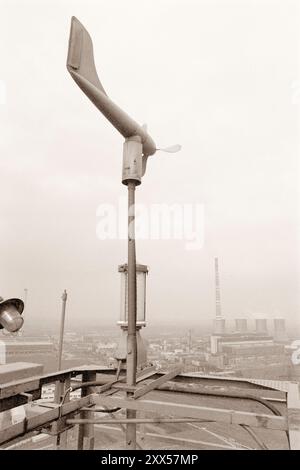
131, 176
62, 327
25, 296
62, 439
131, 338
58, 386
86, 436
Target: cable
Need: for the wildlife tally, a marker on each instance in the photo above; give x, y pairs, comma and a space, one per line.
107, 410
257, 439
184, 388
264, 402
94, 383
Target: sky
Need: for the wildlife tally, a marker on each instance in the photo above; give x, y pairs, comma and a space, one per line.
219, 77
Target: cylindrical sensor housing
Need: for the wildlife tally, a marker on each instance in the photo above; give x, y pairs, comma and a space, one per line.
141, 274
132, 160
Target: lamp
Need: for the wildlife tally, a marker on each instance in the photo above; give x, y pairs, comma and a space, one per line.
10, 314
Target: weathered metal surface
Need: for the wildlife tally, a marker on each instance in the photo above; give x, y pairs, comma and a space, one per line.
293, 403
37, 381
15, 389
86, 438
62, 439
212, 414
186, 407
108, 372
157, 420
156, 383
218, 381
230, 395
34, 384
270, 395
42, 418
17, 400
179, 441
19, 371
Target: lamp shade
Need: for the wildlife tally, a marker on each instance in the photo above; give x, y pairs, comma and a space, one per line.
10, 314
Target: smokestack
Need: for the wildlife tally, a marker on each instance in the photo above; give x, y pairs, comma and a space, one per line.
219, 326
261, 325
219, 323
279, 329
241, 325
217, 284
214, 344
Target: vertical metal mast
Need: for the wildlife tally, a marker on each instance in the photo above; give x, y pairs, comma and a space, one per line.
131, 337
58, 388
62, 327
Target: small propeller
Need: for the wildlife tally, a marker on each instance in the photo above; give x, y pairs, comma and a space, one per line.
172, 149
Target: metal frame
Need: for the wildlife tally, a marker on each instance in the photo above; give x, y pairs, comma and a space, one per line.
57, 418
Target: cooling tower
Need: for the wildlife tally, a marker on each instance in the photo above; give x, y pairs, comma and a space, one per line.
279, 329
241, 325
261, 325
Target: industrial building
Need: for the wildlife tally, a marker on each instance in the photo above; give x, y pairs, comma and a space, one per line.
247, 352
15, 349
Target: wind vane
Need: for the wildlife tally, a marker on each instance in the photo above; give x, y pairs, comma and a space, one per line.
81, 65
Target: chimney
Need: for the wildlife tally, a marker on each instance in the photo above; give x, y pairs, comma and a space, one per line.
219, 322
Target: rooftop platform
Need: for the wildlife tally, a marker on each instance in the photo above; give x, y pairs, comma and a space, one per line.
174, 410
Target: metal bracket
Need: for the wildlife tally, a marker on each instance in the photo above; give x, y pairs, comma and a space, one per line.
57, 427
29, 396
156, 383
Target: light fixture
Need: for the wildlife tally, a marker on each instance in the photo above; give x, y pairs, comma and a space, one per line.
10, 314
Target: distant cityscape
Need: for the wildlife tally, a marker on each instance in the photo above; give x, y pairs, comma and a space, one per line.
259, 351
261, 348
262, 351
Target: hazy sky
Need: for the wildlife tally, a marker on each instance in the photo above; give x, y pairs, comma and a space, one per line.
219, 77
